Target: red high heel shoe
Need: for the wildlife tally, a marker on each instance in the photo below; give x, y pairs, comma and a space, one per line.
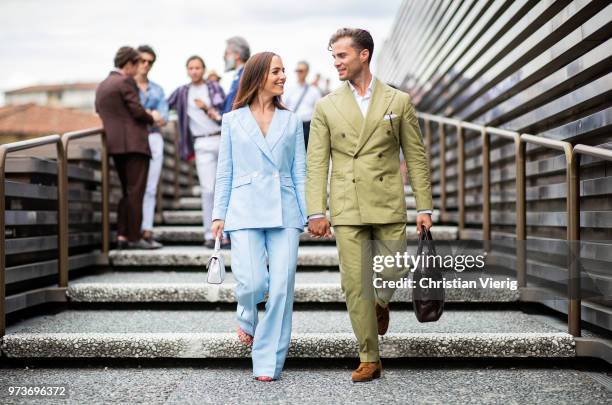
265, 379
245, 338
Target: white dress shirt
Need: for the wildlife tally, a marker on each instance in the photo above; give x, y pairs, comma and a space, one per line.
363, 102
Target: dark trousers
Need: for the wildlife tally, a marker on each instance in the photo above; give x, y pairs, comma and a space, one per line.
306, 126
133, 169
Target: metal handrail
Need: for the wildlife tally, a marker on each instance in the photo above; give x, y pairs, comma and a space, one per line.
5, 149
520, 140
63, 202
593, 151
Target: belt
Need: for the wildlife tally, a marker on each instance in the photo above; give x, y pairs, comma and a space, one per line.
206, 135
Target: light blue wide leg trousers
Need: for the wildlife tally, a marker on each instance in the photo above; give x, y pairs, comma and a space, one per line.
264, 261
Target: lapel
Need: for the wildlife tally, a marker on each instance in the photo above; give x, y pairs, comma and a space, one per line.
379, 103
248, 123
347, 107
277, 127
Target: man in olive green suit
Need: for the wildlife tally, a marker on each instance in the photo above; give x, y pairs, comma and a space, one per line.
362, 126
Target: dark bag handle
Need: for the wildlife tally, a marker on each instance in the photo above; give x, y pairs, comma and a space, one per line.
426, 239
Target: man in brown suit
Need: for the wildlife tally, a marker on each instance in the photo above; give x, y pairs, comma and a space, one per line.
125, 123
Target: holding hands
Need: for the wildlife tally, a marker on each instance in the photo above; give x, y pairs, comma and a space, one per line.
319, 227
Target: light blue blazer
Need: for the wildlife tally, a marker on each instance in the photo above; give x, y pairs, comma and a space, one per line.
260, 180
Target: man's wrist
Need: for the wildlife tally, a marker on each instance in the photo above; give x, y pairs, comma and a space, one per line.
425, 212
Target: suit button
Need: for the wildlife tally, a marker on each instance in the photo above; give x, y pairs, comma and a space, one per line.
380, 155
275, 174
381, 179
388, 132
355, 157
353, 180
344, 135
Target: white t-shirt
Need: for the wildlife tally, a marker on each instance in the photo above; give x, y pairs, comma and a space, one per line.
306, 107
199, 122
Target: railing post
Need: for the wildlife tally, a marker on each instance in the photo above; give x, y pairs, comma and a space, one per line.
3, 153
105, 195
486, 188
62, 213
573, 238
461, 176
521, 212
442, 158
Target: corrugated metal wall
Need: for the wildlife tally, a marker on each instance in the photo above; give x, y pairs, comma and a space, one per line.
538, 67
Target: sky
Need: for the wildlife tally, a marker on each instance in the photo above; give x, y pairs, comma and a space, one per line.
63, 41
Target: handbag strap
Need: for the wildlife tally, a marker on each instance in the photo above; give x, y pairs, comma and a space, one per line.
217, 244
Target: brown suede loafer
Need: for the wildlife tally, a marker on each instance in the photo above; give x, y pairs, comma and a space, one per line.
382, 318
367, 371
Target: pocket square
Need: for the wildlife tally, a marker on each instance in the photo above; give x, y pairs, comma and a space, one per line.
390, 116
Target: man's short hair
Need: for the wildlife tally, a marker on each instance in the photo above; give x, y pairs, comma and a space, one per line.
361, 39
240, 46
195, 57
124, 55
303, 62
149, 50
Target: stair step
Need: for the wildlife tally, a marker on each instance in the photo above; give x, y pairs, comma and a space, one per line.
199, 255
194, 217
316, 333
189, 203
195, 234
313, 287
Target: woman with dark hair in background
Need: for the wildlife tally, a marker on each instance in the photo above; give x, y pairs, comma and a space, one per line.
259, 201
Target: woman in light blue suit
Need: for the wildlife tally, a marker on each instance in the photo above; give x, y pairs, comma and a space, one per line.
259, 202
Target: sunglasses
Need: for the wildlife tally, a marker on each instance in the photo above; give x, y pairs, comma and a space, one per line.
144, 61
300, 70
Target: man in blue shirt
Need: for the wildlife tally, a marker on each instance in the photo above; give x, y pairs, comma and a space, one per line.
153, 99
237, 52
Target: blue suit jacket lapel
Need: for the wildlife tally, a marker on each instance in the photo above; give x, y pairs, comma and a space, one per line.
277, 128
248, 123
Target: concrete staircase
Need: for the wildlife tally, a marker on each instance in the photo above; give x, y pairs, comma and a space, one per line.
107, 316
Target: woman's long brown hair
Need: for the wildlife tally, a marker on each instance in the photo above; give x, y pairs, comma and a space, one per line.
253, 80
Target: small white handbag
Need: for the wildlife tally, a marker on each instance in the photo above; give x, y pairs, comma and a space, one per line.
215, 267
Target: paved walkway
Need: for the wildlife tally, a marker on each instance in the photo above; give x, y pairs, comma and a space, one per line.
328, 382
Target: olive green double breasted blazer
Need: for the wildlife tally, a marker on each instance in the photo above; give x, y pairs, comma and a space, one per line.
366, 185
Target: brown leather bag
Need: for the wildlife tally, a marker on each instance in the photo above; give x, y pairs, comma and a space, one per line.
427, 302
